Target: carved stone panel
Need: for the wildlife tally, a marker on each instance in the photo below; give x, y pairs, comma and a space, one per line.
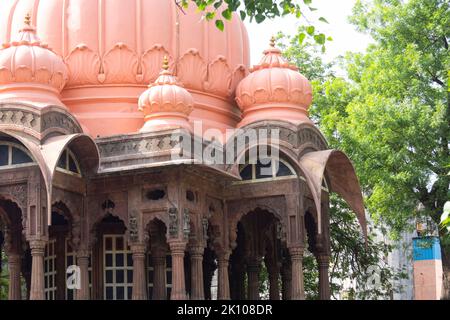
173, 222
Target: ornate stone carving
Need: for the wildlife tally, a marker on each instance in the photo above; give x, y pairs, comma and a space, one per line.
59, 120
133, 227
173, 222
14, 116
186, 224
205, 225
309, 135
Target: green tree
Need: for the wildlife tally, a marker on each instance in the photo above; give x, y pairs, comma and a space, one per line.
390, 113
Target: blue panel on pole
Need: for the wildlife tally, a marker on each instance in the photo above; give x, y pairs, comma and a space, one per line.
426, 248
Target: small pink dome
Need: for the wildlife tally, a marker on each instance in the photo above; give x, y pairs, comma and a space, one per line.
166, 104
274, 90
29, 60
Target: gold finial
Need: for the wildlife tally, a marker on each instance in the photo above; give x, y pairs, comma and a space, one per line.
165, 63
272, 41
28, 19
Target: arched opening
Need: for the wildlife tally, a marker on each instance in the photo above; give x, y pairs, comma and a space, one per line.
159, 262
15, 262
59, 254
254, 263
112, 258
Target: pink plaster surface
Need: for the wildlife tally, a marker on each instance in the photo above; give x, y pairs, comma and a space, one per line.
427, 279
103, 60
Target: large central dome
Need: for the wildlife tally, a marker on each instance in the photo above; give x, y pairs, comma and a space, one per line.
114, 49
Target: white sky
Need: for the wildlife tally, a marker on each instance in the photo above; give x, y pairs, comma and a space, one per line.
345, 37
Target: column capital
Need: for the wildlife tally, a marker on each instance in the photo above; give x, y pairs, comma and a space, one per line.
223, 255
138, 248
323, 260
83, 254
14, 258
37, 245
196, 250
177, 246
296, 252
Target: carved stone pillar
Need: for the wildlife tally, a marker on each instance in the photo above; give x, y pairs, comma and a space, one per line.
197, 289
286, 280
37, 269
298, 288
253, 270
274, 273
159, 274
14, 266
139, 283
323, 262
178, 281
224, 283
83, 263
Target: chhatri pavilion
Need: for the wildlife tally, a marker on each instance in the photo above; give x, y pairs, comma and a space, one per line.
92, 93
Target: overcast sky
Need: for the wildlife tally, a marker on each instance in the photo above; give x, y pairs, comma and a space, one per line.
345, 37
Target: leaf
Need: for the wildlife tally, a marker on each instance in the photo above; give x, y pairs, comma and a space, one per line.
227, 14
220, 25
210, 15
310, 30
323, 20
301, 37
243, 15
320, 38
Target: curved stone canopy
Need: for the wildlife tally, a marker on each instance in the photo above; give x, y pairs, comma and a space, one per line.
342, 177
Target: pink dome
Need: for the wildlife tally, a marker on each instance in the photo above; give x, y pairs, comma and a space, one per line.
166, 104
114, 49
274, 90
29, 70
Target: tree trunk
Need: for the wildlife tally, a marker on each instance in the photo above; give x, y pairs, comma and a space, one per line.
445, 294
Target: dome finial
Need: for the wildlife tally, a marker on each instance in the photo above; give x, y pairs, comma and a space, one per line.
28, 19
272, 41
165, 63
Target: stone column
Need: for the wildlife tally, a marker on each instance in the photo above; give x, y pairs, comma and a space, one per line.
159, 274
253, 270
178, 281
37, 269
324, 283
83, 262
286, 280
274, 272
298, 288
197, 289
224, 282
14, 266
139, 283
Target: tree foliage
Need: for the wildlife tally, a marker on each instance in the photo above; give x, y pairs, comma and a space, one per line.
259, 11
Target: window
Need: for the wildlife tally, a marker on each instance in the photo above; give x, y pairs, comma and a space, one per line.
50, 271
68, 163
12, 154
168, 275
118, 268
266, 169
